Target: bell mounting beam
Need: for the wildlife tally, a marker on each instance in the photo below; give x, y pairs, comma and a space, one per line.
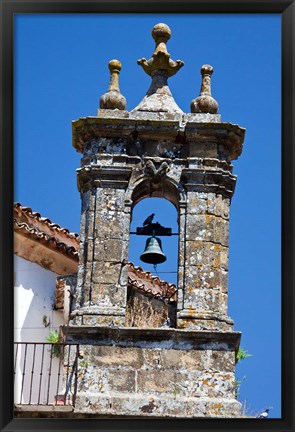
154, 229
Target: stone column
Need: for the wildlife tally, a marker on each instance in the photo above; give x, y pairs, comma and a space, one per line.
203, 260
105, 224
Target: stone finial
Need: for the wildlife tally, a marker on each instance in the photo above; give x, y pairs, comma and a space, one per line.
160, 60
113, 99
205, 103
160, 67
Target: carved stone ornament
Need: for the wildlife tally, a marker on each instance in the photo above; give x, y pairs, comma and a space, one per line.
160, 60
113, 99
160, 67
155, 174
205, 103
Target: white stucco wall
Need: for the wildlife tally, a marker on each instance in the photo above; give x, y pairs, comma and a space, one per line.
33, 299
34, 289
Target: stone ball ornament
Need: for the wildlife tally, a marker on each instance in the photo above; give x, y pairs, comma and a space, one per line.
115, 66
161, 31
207, 69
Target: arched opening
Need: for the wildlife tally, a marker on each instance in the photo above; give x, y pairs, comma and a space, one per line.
152, 188
152, 290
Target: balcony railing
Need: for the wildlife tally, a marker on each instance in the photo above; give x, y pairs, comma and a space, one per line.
45, 373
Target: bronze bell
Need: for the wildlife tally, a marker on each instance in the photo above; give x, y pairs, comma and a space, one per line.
153, 253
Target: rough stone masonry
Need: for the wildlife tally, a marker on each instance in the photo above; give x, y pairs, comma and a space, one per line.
155, 150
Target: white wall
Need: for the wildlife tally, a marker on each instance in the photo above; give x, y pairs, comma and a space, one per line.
33, 299
33, 303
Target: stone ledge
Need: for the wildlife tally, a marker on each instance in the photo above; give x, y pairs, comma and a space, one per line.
138, 115
152, 337
156, 407
229, 136
43, 411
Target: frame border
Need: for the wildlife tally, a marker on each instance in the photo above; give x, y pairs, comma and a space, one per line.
7, 10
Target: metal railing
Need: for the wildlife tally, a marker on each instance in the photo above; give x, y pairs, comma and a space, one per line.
45, 373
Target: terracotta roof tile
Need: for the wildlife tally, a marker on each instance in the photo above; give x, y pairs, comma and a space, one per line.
18, 208
149, 284
33, 225
51, 242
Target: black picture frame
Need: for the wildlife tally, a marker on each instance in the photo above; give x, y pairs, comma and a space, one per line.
11, 7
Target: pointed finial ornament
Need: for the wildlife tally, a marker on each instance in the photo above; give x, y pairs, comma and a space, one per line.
205, 103
113, 99
160, 60
160, 67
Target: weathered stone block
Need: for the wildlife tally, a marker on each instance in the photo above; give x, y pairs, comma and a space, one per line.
102, 320
199, 253
116, 356
211, 203
114, 230
152, 357
200, 324
200, 299
202, 149
201, 276
208, 203
196, 204
194, 360
120, 380
199, 227
92, 403
155, 382
204, 384
110, 198
104, 294
222, 360
206, 300
208, 228
113, 250
188, 360
99, 250
106, 272
109, 250
220, 233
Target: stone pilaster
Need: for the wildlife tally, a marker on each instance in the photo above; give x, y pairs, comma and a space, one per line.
105, 225
204, 249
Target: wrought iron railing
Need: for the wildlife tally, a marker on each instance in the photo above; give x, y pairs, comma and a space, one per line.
45, 373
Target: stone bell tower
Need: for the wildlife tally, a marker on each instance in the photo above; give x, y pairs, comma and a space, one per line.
155, 150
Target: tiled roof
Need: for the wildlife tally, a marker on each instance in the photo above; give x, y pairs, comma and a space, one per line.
51, 242
18, 208
145, 282
33, 225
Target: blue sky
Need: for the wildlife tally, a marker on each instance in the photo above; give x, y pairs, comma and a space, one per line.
61, 72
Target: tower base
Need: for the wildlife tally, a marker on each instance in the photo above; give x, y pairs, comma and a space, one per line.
133, 372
